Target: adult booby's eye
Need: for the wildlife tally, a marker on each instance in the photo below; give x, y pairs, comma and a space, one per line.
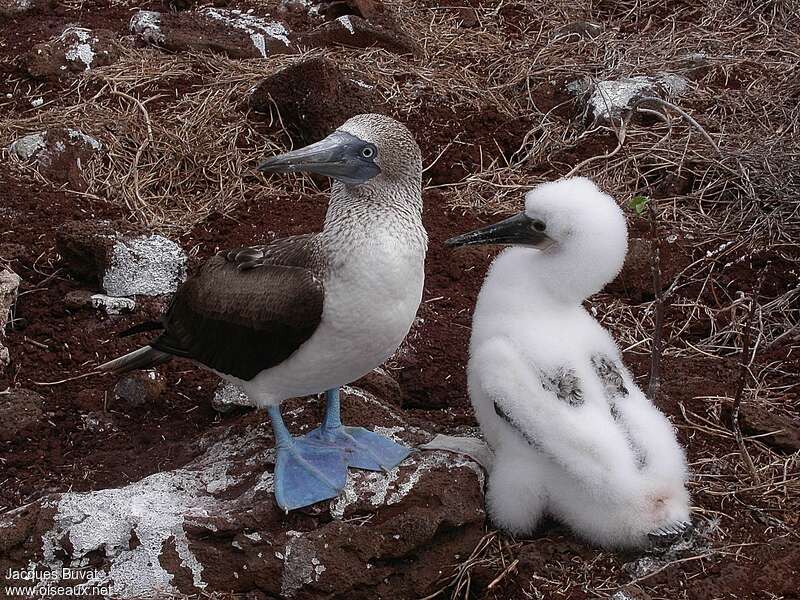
539, 225
367, 152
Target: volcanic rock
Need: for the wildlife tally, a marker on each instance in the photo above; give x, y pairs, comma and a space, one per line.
20, 410
580, 30
372, 10
78, 299
379, 382
313, 96
139, 388
60, 154
86, 247
232, 32
98, 422
227, 397
784, 434
212, 525
353, 31
111, 305
125, 265
148, 265
609, 99
9, 284
13, 8
77, 49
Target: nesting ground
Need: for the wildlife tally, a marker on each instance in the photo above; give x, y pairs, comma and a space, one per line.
489, 91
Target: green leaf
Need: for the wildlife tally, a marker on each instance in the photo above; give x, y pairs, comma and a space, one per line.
639, 204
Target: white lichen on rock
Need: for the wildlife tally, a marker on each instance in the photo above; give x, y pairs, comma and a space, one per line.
300, 565
391, 487
9, 285
79, 42
256, 27
113, 306
28, 146
227, 396
147, 25
346, 23
428, 462
76, 134
610, 98
148, 265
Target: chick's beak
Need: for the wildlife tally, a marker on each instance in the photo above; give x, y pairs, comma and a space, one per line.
518, 230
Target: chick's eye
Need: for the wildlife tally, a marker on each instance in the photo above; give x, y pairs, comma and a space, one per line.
539, 225
367, 152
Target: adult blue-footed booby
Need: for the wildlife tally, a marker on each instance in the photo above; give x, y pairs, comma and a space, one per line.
310, 313
573, 435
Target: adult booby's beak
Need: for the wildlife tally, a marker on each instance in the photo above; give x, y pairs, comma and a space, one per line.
519, 230
338, 156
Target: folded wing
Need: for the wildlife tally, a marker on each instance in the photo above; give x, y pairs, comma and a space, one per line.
247, 310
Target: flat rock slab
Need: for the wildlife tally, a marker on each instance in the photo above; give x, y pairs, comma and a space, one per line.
635, 280
353, 31
235, 33
776, 430
213, 525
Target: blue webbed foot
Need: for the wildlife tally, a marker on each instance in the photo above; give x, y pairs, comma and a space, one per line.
362, 448
307, 473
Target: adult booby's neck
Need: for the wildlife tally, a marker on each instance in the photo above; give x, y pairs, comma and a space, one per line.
380, 209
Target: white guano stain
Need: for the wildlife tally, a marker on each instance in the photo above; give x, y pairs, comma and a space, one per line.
347, 23
609, 98
154, 510
257, 28
147, 24
301, 565
390, 488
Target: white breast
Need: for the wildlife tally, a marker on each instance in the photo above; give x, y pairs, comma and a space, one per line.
371, 299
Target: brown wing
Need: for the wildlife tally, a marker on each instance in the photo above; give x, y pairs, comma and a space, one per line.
247, 310
295, 251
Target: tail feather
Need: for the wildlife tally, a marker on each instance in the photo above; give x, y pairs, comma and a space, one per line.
141, 328
143, 358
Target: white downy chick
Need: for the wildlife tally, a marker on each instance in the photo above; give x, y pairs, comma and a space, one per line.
573, 435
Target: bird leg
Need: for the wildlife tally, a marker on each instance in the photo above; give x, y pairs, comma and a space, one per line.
362, 448
305, 472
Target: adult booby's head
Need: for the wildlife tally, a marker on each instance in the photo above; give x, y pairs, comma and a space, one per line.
368, 149
579, 233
